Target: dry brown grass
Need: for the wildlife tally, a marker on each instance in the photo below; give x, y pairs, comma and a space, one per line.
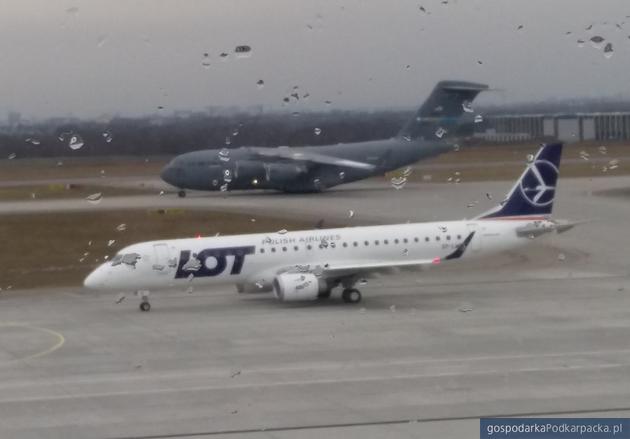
50, 250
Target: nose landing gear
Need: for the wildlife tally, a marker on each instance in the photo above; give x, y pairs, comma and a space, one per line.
145, 306
181, 194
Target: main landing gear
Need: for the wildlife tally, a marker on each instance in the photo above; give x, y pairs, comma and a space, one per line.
181, 194
351, 295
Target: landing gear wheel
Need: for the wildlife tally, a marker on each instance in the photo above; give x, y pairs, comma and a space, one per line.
145, 306
181, 194
351, 295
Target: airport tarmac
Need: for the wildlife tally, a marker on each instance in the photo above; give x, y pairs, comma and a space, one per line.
544, 331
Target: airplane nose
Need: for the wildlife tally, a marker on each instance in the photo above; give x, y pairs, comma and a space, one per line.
95, 279
168, 175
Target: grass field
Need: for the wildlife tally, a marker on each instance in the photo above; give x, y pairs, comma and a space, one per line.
50, 250
64, 191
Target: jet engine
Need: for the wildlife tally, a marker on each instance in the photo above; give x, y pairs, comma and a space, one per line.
290, 287
282, 173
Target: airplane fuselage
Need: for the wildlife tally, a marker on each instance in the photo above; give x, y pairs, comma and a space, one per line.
253, 261
241, 168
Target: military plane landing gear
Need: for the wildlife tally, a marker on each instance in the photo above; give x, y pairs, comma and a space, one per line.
181, 194
145, 306
351, 295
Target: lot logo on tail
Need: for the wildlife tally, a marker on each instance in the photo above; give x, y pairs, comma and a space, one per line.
536, 184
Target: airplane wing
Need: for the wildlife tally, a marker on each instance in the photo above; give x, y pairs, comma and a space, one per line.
286, 153
341, 270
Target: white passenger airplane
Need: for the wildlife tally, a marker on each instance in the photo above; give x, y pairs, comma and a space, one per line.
309, 264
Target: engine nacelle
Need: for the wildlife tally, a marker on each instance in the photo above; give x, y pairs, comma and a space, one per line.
280, 173
290, 287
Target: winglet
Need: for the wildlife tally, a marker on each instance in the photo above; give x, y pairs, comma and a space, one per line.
534, 192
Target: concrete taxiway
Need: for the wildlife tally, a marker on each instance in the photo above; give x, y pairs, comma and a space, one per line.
539, 332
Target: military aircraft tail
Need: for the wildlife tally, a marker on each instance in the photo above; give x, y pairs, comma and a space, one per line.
441, 111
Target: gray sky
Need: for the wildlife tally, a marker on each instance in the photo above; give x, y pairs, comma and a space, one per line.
89, 58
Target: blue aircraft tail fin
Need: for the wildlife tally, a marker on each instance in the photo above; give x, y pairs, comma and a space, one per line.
534, 192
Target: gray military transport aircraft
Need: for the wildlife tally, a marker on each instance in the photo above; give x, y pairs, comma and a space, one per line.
315, 168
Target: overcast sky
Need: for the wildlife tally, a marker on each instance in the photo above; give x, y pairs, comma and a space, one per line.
89, 58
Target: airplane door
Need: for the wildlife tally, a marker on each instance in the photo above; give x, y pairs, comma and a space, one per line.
162, 262
475, 244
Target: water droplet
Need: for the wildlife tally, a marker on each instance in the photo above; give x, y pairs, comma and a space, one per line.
405, 252
440, 132
467, 106
520, 27
215, 182
597, 42
317, 131
351, 214
295, 114
478, 118
561, 257
243, 51
224, 155
94, 198
75, 142
328, 102
602, 150
530, 158
456, 147
480, 62
473, 204
609, 51
121, 227
580, 43
407, 172
120, 298
107, 136
260, 84
465, 307
488, 195
342, 175
227, 176
392, 308
363, 282
33, 141
224, 187
398, 182
584, 155
12, 156
228, 140
282, 231
422, 9
205, 61
111, 242
223, 56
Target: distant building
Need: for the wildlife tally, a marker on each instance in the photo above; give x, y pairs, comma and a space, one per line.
577, 127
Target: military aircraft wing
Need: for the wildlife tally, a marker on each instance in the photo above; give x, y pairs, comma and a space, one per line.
286, 153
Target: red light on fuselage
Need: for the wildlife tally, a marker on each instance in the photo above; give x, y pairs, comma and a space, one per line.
436, 260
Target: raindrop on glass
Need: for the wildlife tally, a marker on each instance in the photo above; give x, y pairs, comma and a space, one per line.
456, 147
12, 156
205, 61
609, 51
351, 214
467, 106
317, 131
597, 41
440, 132
342, 175
561, 257
243, 51
228, 140
282, 231
111, 242
120, 298
392, 308
398, 182
224, 187
224, 155
530, 158
580, 43
405, 252
260, 84
121, 227
75, 142
602, 150
107, 136
94, 198
363, 282
478, 118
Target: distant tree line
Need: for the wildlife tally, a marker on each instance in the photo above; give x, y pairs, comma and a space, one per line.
174, 135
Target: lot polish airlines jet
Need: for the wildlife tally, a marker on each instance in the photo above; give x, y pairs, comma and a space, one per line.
309, 264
